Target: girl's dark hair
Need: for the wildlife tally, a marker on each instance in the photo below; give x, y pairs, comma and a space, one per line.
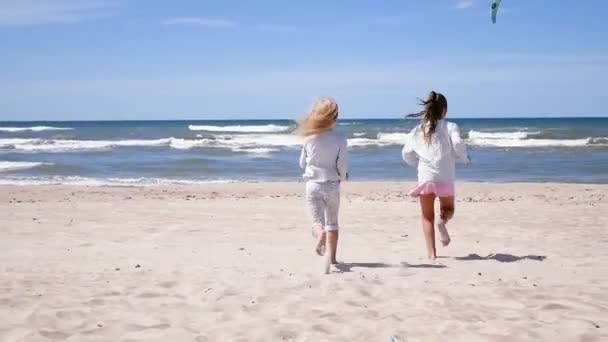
434, 107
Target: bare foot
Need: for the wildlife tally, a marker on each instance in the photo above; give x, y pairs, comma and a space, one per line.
320, 248
319, 235
443, 233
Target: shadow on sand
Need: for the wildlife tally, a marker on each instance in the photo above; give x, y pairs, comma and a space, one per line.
405, 264
500, 257
348, 266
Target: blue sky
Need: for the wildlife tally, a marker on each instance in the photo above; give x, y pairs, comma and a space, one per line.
199, 59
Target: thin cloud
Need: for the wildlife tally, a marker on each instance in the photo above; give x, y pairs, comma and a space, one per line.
32, 12
201, 22
464, 4
279, 28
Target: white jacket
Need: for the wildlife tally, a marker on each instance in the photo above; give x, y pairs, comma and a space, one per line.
324, 158
436, 161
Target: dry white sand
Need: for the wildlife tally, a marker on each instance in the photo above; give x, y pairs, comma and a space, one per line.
235, 262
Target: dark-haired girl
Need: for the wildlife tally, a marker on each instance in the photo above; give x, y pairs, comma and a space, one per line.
433, 147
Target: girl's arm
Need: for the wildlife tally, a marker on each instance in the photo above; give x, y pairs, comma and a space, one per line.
303, 157
460, 148
342, 162
408, 154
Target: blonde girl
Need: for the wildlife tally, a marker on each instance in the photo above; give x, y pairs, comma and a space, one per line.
324, 159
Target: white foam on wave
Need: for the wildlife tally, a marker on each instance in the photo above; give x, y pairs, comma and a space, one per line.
397, 138
240, 129
186, 144
522, 139
14, 166
500, 135
488, 139
254, 143
259, 150
34, 129
362, 142
86, 181
265, 143
603, 141
530, 142
66, 145
383, 139
259, 140
359, 134
251, 143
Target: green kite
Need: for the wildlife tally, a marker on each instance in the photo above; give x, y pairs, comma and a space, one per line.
495, 5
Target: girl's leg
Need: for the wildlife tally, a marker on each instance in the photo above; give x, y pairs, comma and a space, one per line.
446, 208
446, 212
331, 221
332, 245
320, 238
427, 204
316, 206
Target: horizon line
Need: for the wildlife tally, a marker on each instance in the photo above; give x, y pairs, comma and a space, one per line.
287, 119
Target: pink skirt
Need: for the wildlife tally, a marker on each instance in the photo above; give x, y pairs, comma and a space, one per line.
439, 189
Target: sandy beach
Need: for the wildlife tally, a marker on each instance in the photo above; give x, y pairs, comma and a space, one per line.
235, 262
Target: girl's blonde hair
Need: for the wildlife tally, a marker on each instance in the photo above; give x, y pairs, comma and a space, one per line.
321, 118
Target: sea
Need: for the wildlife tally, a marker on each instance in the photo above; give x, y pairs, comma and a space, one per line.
568, 150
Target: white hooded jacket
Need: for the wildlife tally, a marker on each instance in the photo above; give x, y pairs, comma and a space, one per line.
435, 160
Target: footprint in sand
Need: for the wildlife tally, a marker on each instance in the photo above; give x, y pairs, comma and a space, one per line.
111, 294
321, 328
364, 292
54, 335
139, 327
554, 306
352, 303
168, 284
96, 302
70, 314
150, 295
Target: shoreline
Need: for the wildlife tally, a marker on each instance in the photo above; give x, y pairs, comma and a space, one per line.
278, 183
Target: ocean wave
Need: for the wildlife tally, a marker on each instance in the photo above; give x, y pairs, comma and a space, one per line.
397, 138
61, 145
34, 129
501, 135
531, 142
251, 143
240, 129
87, 181
359, 134
525, 139
14, 166
259, 150
263, 144
599, 141
382, 139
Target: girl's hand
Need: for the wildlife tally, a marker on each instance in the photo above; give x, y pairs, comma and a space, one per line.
468, 162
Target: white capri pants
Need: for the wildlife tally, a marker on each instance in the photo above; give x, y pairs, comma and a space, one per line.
324, 203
